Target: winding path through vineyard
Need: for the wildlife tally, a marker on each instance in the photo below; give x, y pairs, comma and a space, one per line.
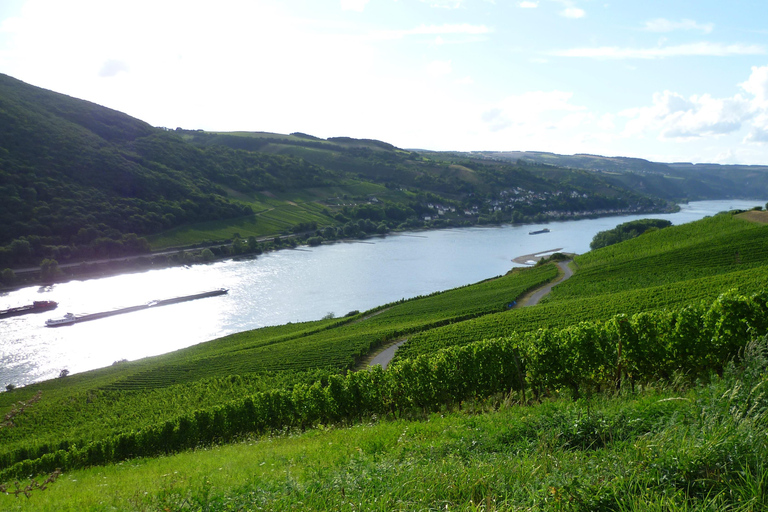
532, 298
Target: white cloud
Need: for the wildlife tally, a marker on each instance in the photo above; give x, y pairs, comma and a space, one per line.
673, 116
759, 131
726, 157
607, 122
444, 4
573, 12
536, 111
353, 5
757, 85
703, 49
439, 68
446, 29
113, 67
527, 4
457, 28
664, 25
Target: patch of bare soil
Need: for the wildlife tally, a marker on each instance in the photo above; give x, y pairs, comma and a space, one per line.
759, 216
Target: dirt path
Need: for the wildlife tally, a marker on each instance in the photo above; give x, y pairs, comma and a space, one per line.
385, 355
533, 297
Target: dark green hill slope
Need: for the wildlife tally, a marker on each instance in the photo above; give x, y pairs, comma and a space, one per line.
454, 175
72, 173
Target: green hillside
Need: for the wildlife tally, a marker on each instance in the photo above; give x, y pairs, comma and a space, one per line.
653, 317
81, 181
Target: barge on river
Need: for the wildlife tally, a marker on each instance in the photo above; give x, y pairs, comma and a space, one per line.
540, 231
37, 306
71, 318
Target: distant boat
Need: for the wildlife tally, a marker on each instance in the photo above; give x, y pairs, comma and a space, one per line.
70, 318
540, 231
36, 307
67, 319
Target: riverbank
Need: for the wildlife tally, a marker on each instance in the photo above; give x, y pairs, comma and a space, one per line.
223, 251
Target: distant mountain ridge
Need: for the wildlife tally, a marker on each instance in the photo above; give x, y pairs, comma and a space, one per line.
673, 181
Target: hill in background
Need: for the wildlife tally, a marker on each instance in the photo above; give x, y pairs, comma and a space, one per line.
80, 181
673, 181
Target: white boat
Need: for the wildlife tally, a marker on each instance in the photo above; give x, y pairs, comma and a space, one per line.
67, 319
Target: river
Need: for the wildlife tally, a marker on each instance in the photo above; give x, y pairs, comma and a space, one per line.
276, 288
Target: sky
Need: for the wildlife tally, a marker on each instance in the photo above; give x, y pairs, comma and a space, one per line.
668, 81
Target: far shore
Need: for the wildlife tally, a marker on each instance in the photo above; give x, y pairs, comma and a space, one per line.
95, 269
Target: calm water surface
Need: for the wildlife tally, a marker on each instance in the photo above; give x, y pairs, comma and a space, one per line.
276, 288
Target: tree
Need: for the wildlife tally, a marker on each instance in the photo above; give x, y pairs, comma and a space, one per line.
8, 276
49, 268
238, 246
21, 250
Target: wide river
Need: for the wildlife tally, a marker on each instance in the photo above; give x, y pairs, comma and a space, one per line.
276, 288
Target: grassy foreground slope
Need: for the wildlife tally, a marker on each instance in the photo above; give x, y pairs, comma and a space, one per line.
665, 449
666, 445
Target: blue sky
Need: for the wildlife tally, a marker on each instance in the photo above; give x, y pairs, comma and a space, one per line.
662, 80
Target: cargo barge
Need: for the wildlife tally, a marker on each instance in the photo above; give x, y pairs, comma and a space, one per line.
37, 306
540, 231
71, 318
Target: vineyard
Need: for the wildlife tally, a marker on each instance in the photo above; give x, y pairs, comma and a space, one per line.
158, 389
677, 303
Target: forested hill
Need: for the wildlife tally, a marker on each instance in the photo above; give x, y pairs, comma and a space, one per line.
80, 181
72, 173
